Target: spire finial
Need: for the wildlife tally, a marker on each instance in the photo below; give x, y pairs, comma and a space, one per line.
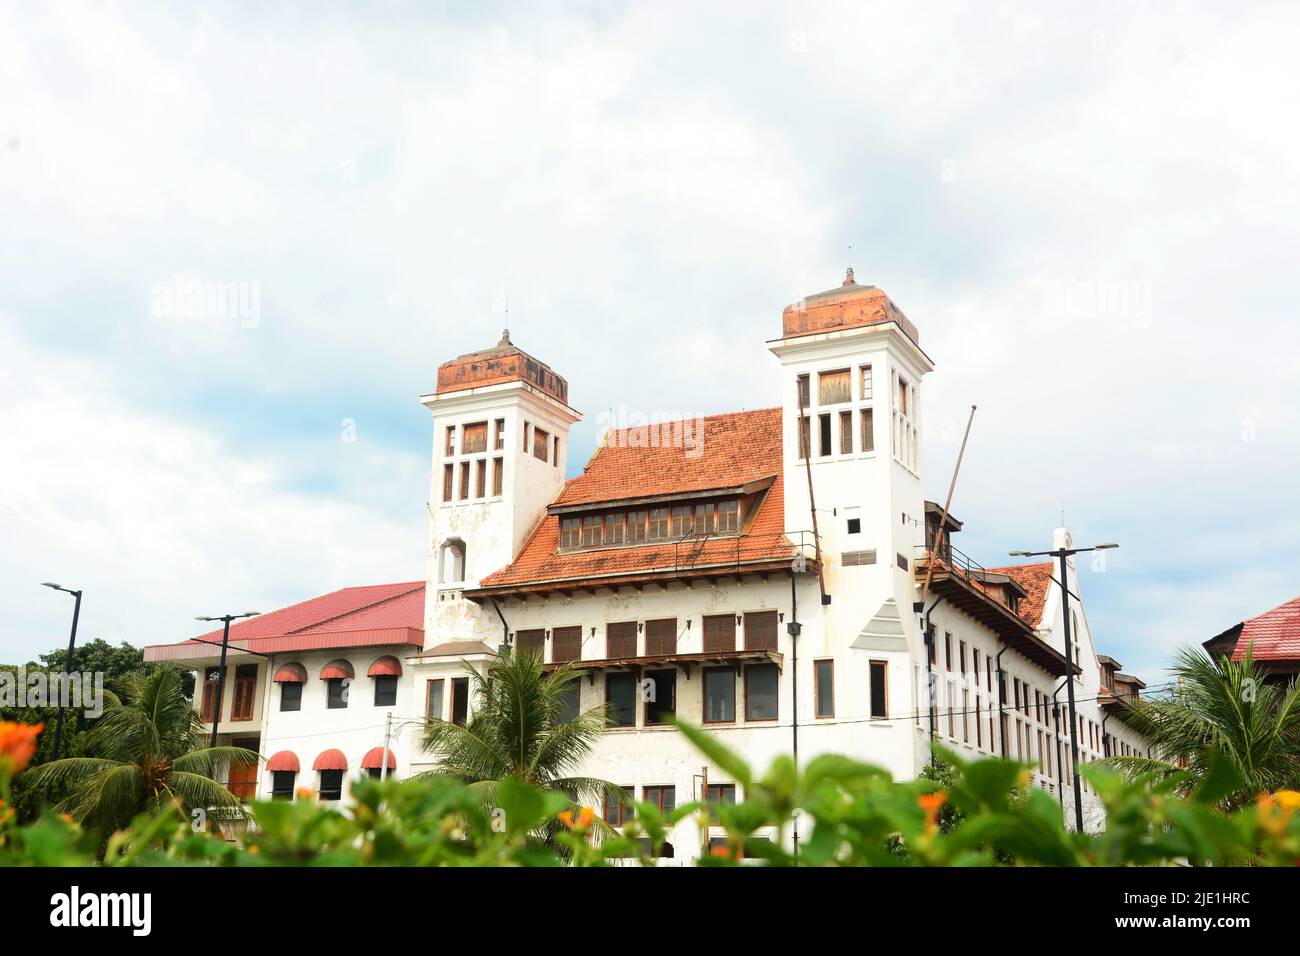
505, 338
848, 276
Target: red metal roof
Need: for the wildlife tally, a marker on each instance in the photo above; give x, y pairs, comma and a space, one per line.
386, 666
1273, 635
337, 670
374, 759
374, 615
284, 760
734, 450
331, 760
291, 674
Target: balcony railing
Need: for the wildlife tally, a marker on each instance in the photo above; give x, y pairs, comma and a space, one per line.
693, 551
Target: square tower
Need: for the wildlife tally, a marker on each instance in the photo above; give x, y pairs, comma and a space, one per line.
501, 423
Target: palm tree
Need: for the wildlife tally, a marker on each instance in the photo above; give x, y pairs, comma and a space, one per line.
145, 754
1222, 707
517, 729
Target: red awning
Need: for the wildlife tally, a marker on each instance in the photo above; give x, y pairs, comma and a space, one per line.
284, 760
291, 674
337, 670
374, 759
331, 760
386, 666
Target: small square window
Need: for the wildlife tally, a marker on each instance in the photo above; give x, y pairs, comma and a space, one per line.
855, 526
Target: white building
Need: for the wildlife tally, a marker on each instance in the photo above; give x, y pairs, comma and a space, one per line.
688, 556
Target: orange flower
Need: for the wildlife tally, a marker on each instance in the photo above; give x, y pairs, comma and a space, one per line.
306, 793
930, 803
583, 820
17, 745
1276, 810
721, 850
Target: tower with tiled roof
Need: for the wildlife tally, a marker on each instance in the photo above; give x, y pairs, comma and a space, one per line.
501, 423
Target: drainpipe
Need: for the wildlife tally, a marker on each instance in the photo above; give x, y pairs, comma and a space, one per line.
1060, 768
793, 629
504, 649
1002, 703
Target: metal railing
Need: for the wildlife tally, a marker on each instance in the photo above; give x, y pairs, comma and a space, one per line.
694, 550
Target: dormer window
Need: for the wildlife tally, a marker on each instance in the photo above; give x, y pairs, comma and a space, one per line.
644, 526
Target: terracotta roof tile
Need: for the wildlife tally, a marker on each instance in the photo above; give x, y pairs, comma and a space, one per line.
736, 449
1273, 635
1035, 579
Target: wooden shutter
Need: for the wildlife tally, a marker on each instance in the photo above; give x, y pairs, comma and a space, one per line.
760, 631
719, 633
620, 640
531, 642
566, 644
475, 438
661, 637
241, 707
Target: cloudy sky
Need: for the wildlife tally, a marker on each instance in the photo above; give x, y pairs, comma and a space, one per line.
1090, 213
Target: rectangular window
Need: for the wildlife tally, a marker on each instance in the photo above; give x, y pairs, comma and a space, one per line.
760, 631
555, 451
661, 637
566, 644
719, 633
282, 783
657, 527
448, 482
210, 709
952, 712
868, 429
531, 641
617, 812
879, 690
386, 691
570, 532
823, 435
864, 375
528, 433
803, 397
663, 798
241, 707
570, 701
962, 658
620, 699
541, 444
706, 518
720, 793
947, 651
636, 529
336, 696
499, 435
833, 387
291, 697
824, 688
682, 520
433, 699
857, 559
760, 692
620, 640
475, 438
480, 478
449, 446
498, 475
459, 700
965, 717
979, 725
464, 480
846, 433
660, 696
719, 696
805, 448
331, 785
728, 517
591, 533
613, 527
975, 665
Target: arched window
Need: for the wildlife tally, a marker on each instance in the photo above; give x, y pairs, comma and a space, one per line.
451, 561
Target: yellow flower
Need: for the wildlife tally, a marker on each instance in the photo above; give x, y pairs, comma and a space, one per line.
17, 745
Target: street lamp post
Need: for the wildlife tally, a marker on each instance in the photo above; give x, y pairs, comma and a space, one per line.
225, 619
67, 661
1061, 554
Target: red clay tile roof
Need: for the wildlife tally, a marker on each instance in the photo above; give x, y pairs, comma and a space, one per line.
504, 362
848, 306
737, 448
350, 617
1035, 579
1273, 635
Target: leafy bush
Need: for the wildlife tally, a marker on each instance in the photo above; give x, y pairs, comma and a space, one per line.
859, 817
